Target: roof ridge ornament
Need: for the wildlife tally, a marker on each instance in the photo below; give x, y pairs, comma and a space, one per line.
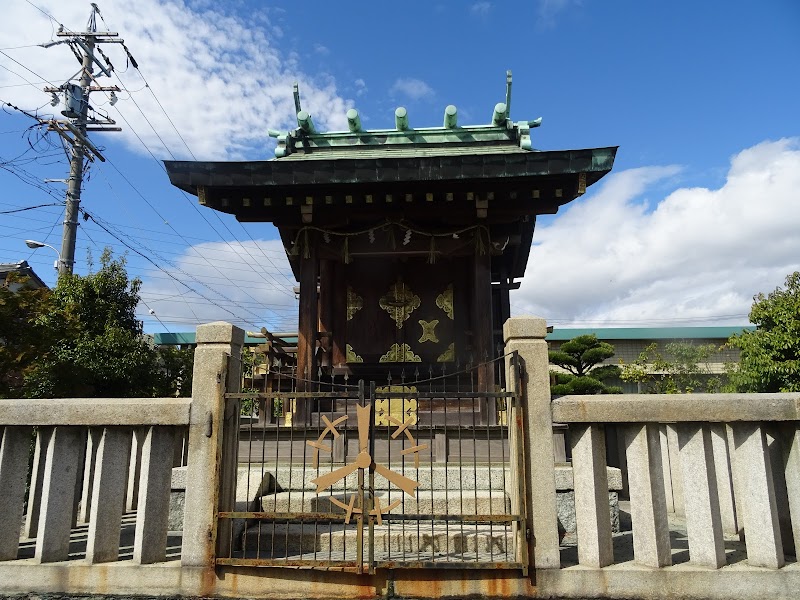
305, 139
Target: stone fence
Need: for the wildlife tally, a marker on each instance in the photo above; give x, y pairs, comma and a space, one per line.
733, 484
95, 520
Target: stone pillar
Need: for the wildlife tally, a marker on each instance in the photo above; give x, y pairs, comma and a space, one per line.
13, 471
791, 446
590, 479
134, 470
666, 460
150, 541
724, 473
218, 346
776, 459
37, 481
736, 481
525, 335
651, 545
675, 470
108, 495
76, 497
92, 442
58, 489
761, 527
703, 521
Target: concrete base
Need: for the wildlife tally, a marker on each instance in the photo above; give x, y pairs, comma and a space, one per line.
618, 581
467, 542
426, 503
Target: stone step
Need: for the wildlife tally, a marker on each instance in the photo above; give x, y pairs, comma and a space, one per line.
426, 503
270, 478
282, 540
267, 478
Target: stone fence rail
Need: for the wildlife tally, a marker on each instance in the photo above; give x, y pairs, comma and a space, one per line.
727, 464
96, 518
81, 473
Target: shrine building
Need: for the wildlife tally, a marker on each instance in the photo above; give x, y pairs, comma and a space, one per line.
405, 242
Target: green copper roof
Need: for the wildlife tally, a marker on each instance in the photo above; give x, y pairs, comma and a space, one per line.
187, 338
306, 142
508, 137
379, 166
649, 333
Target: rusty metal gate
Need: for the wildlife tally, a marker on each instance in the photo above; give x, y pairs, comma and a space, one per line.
416, 471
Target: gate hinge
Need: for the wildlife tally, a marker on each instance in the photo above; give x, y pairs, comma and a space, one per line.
528, 533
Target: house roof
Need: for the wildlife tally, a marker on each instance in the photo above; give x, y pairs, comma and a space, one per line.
22, 268
188, 338
649, 333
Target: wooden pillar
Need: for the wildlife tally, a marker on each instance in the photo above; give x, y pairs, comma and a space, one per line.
339, 315
326, 292
482, 331
308, 326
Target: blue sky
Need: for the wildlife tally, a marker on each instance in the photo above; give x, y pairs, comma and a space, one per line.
700, 213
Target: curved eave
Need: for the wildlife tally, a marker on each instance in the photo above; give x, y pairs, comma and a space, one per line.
189, 175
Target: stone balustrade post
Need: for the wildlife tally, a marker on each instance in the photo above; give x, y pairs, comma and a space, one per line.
592, 512
651, 546
37, 481
217, 367
791, 445
761, 525
13, 470
525, 335
62, 462
701, 495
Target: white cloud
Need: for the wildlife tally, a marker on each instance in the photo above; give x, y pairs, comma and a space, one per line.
248, 283
480, 9
222, 80
361, 87
320, 49
414, 89
698, 256
550, 9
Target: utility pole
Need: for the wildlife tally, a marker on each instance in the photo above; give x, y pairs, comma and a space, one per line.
79, 121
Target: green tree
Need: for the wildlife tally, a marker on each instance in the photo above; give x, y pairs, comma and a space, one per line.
682, 368
23, 339
96, 347
770, 355
581, 357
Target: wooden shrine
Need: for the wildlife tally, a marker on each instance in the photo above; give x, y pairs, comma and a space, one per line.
405, 241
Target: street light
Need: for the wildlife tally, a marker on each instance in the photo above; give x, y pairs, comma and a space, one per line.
34, 245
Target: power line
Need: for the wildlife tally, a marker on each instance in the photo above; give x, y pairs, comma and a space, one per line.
78, 145
171, 276
44, 12
6, 212
175, 230
32, 72
191, 203
166, 147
